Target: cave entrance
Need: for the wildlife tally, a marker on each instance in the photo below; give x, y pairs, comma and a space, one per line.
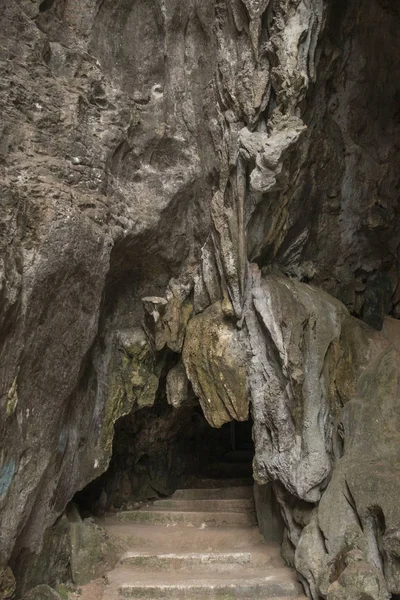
158, 449
226, 455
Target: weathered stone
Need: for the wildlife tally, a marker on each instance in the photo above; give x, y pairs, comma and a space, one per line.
310, 557
353, 577
291, 331
93, 553
377, 299
49, 565
170, 316
215, 359
42, 592
177, 386
362, 486
269, 518
269, 152
7, 584
134, 378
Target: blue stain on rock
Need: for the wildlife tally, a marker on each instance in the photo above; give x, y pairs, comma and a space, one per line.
62, 441
6, 477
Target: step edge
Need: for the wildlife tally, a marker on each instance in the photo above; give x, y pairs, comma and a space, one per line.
186, 512
184, 554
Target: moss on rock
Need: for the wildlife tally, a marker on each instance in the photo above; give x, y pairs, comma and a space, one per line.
42, 592
7, 584
134, 378
51, 565
214, 354
93, 552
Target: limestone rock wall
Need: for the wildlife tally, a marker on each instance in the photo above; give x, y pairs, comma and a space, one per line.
216, 179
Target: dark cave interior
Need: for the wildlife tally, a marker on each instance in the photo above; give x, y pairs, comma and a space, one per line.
158, 449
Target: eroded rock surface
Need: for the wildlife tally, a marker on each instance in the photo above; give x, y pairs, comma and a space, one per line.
215, 359
42, 592
200, 200
292, 329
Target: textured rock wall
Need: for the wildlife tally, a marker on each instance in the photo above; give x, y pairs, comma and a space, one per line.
173, 176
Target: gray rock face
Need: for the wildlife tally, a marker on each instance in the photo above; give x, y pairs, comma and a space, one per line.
93, 553
202, 197
42, 592
291, 330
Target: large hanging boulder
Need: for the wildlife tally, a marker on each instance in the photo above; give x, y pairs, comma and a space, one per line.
215, 358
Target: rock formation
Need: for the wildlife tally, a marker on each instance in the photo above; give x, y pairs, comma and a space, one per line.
200, 200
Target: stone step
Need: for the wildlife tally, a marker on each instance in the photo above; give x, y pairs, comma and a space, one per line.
239, 456
187, 561
189, 519
274, 585
246, 446
228, 470
215, 597
204, 505
203, 562
213, 482
234, 492
153, 539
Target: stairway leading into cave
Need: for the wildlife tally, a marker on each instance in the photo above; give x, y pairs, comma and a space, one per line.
202, 543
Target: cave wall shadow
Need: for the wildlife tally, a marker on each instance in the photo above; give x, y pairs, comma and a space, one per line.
160, 448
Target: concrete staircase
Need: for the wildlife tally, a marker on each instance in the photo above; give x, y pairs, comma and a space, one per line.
202, 543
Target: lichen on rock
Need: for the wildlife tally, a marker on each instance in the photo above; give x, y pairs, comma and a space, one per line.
134, 378
7, 583
42, 592
215, 359
93, 552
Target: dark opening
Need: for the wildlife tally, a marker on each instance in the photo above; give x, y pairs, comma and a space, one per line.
46, 5
159, 449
